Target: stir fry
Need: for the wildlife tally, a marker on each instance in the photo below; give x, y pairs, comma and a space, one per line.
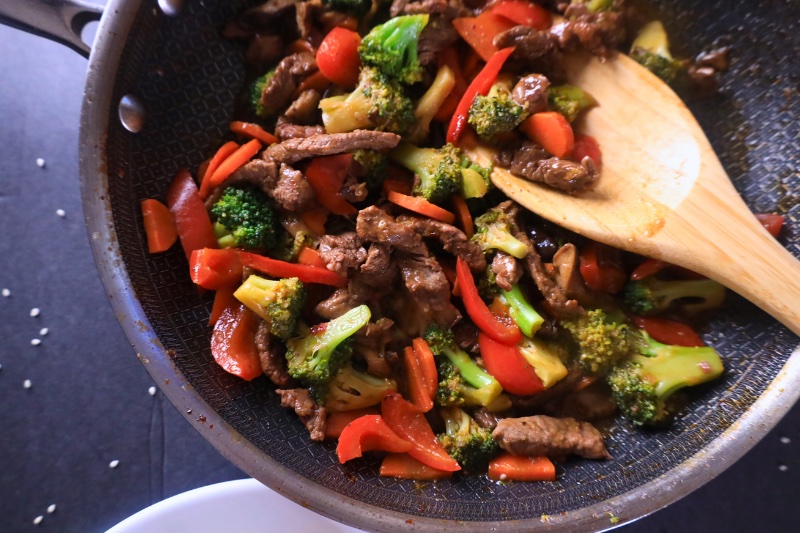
369, 272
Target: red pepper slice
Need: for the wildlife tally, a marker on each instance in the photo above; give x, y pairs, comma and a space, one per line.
191, 218
233, 342
326, 175
504, 331
601, 268
650, 267
480, 85
480, 31
282, 269
368, 433
668, 331
509, 367
338, 420
214, 269
410, 424
772, 223
524, 13
587, 146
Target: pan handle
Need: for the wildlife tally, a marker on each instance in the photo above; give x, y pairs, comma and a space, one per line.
59, 20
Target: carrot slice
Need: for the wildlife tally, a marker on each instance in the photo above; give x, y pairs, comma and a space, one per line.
464, 216
223, 153
507, 467
242, 155
403, 466
254, 131
316, 81
421, 206
159, 225
309, 256
551, 131
417, 387
427, 364
315, 219
396, 185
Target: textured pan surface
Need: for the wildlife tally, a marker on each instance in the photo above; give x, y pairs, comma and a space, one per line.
188, 79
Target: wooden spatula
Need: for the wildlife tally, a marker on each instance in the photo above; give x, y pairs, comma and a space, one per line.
663, 192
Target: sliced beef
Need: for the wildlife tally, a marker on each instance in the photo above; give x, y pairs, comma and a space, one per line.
304, 110
304, 18
264, 15
562, 174
285, 130
344, 299
600, 33
534, 50
293, 150
525, 159
438, 34
553, 437
292, 192
591, 402
379, 270
449, 9
353, 191
428, 286
370, 345
288, 74
375, 225
453, 239
532, 91
259, 173
465, 334
272, 356
506, 270
485, 418
313, 416
342, 252
264, 50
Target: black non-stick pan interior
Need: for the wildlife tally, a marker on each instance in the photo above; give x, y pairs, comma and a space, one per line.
187, 78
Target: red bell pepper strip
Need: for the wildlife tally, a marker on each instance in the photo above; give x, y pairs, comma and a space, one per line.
403, 466
410, 424
480, 31
772, 223
650, 267
509, 367
417, 386
586, 146
504, 331
282, 269
524, 13
368, 433
551, 131
601, 268
233, 342
223, 299
668, 331
480, 85
507, 467
326, 176
159, 226
338, 420
421, 206
427, 365
215, 269
337, 57
191, 218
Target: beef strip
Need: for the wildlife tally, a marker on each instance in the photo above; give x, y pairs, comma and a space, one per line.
465, 334
532, 91
259, 173
272, 356
304, 110
525, 159
370, 344
288, 74
591, 402
553, 437
437, 35
534, 50
379, 270
564, 175
264, 15
428, 286
292, 192
342, 252
285, 130
351, 190
600, 33
263, 50
293, 150
485, 418
313, 416
453, 239
304, 18
374, 225
449, 9
344, 299
506, 270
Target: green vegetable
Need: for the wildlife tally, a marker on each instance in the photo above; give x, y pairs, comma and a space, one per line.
374, 164
570, 101
522, 313
652, 295
378, 102
352, 389
392, 48
278, 302
476, 180
651, 49
245, 219
291, 246
546, 358
438, 170
495, 113
493, 232
316, 358
467, 442
256, 90
461, 380
643, 385
602, 341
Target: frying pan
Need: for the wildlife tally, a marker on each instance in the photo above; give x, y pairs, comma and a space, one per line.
160, 91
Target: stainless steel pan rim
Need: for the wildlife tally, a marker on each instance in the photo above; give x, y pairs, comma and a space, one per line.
97, 112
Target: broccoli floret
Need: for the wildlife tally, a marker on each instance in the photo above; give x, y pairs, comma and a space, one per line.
643, 385
476, 180
601, 340
651, 50
493, 232
352, 389
467, 442
291, 247
461, 380
278, 302
245, 219
546, 358
378, 102
569, 100
356, 7
437, 170
392, 48
652, 295
256, 90
316, 358
374, 164
522, 313
495, 113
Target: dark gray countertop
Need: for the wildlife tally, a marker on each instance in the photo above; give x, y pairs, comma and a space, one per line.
89, 403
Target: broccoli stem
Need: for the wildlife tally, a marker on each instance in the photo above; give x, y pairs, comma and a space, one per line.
471, 372
525, 316
674, 367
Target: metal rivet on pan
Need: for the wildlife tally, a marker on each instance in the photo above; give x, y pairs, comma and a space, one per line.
131, 113
170, 7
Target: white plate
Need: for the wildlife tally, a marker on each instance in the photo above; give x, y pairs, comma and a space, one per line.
243, 506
